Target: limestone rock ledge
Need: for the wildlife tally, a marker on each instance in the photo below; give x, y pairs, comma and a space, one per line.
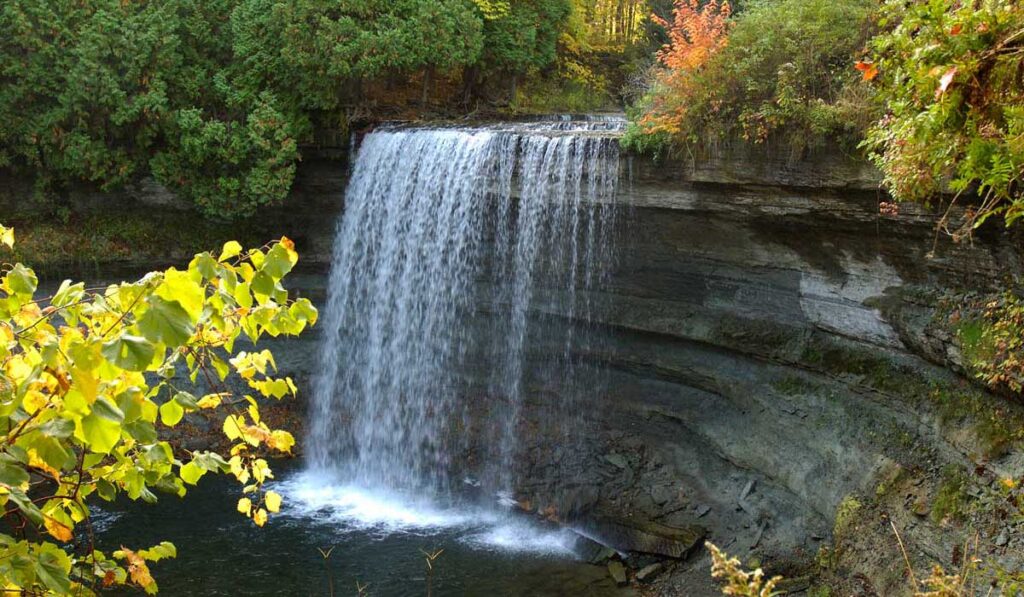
768, 355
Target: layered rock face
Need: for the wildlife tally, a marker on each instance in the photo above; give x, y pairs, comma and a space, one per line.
769, 355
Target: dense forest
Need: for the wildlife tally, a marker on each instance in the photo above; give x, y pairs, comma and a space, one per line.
215, 99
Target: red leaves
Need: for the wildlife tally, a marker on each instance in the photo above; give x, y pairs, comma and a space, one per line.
695, 33
868, 69
956, 29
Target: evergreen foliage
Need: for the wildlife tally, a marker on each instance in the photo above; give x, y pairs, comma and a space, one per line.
215, 97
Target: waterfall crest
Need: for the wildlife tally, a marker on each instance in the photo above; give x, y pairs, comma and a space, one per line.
440, 224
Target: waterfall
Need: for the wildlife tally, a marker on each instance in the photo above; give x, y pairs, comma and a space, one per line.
441, 224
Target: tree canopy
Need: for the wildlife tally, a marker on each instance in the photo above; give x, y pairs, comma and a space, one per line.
215, 98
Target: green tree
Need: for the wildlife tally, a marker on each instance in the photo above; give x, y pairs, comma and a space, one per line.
88, 377
83, 85
524, 39
314, 52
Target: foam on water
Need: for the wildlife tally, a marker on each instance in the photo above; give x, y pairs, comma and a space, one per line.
357, 509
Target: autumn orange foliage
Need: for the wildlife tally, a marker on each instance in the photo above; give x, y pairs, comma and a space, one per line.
696, 33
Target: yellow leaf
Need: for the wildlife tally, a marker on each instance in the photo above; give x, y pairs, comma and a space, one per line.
233, 427
7, 236
273, 501
59, 530
137, 568
35, 461
179, 286
281, 441
209, 401
260, 518
86, 383
245, 506
34, 400
231, 249
1009, 483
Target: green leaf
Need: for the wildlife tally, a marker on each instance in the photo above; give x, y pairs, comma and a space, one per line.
27, 507
133, 353
186, 400
106, 489
99, 433
143, 431
166, 321
171, 413
11, 471
52, 451
205, 264
52, 567
303, 310
68, 294
58, 427
263, 284
191, 473
22, 280
277, 263
107, 409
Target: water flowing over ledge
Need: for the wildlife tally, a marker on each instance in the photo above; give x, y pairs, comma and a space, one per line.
429, 214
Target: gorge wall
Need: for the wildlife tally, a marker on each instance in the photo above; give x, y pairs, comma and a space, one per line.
769, 368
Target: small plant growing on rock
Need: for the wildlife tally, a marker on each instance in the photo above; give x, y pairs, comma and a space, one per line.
737, 581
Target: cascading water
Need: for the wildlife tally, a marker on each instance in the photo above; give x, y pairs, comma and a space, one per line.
440, 224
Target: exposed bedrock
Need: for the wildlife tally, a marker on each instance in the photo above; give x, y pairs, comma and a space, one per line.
768, 349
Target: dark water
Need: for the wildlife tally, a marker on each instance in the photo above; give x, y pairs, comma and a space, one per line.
222, 553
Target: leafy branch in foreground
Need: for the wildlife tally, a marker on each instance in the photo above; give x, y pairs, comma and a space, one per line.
86, 375
737, 582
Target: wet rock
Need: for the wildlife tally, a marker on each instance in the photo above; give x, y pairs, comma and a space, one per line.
662, 494
617, 572
650, 537
794, 585
648, 573
602, 555
592, 551
747, 489
616, 460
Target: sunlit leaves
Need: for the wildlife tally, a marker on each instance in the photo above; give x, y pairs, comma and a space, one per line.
85, 376
776, 71
133, 353
166, 321
231, 249
7, 236
171, 412
273, 501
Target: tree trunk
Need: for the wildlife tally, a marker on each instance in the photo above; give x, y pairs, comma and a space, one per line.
428, 77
